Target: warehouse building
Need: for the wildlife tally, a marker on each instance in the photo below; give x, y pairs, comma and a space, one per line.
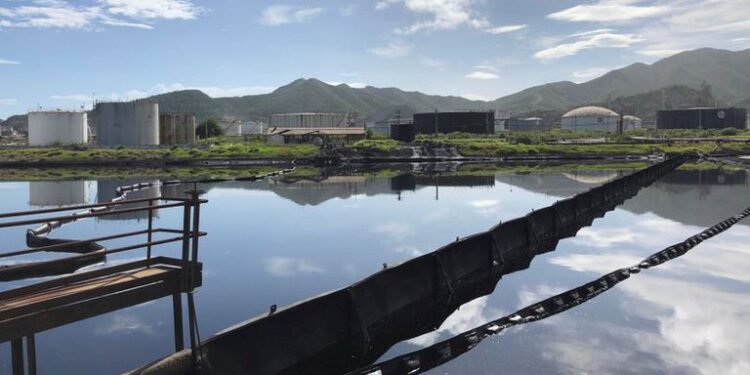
451, 122
702, 118
310, 120
528, 124
57, 127
591, 118
176, 129
133, 123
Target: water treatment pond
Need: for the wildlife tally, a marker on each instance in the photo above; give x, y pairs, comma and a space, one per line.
277, 242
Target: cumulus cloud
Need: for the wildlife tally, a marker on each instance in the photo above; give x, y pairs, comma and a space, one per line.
589, 40
8, 62
482, 75
446, 15
276, 15
392, 50
122, 13
659, 52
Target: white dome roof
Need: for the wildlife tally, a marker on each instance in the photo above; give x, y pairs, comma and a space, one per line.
593, 111
629, 117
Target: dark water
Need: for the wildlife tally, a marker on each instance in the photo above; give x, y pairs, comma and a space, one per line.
276, 243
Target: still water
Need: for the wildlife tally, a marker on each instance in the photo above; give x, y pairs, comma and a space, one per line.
277, 242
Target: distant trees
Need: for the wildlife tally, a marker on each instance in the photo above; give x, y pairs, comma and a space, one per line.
208, 129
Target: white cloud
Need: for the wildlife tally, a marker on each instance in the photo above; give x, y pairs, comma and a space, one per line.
590, 73
276, 15
595, 263
505, 29
392, 50
602, 39
484, 203
604, 237
73, 97
446, 15
607, 11
475, 97
8, 101
9, 62
482, 75
290, 267
67, 15
659, 52
356, 85
410, 251
153, 9
468, 316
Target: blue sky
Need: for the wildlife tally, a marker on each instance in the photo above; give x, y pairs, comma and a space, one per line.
61, 54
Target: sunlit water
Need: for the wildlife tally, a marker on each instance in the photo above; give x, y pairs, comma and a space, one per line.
276, 243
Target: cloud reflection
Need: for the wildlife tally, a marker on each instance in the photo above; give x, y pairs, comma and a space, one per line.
290, 267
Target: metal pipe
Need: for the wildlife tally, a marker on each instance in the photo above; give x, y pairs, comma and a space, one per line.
150, 227
179, 340
31, 354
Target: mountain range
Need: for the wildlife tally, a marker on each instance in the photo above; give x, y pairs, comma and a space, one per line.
673, 82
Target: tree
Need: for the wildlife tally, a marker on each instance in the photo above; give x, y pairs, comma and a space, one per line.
208, 129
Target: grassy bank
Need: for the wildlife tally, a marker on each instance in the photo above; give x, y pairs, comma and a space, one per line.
245, 150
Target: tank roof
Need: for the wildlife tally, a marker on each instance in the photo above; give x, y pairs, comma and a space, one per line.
629, 117
591, 111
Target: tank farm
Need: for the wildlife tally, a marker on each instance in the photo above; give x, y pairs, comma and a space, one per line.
345, 331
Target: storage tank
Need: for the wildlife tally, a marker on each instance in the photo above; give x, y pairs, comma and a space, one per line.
176, 129
528, 124
450, 122
591, 118
133, 123
631, 122
702, 118
403, 132
64, 127
58, 193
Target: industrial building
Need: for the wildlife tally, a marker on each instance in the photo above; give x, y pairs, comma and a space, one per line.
450, 122
176, 129
591, 118
133, 123
57, 127
404, 132
528, 124
310, 120
702, 118
317, 136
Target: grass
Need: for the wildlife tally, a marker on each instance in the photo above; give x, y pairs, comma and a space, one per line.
239, 150
380, 145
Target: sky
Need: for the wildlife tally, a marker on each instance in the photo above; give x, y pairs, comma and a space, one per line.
65, 53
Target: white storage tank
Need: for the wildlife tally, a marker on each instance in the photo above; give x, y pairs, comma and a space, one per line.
133, 123
64, 127
591, 118
631, 122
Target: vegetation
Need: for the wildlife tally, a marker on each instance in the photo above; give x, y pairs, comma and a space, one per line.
380, 145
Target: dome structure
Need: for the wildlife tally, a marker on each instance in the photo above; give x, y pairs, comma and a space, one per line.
591, 118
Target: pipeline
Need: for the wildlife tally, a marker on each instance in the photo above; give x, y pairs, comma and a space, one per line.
38, 237
352, 327
437, 354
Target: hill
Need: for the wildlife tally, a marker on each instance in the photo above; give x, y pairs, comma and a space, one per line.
728, 73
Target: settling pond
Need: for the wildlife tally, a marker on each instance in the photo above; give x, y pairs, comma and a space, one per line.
274, 242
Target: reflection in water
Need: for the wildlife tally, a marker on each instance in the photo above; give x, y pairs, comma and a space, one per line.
107, 190
278, 242
58, 193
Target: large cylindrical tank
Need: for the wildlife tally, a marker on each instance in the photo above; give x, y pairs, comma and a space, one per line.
63, 127
176, 129
450, 122
133, 123
591, 118
701, 118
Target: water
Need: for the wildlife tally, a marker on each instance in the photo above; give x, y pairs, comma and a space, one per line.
276, 243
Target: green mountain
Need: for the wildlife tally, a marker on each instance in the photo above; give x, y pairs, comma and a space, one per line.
727, 72
17, 122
